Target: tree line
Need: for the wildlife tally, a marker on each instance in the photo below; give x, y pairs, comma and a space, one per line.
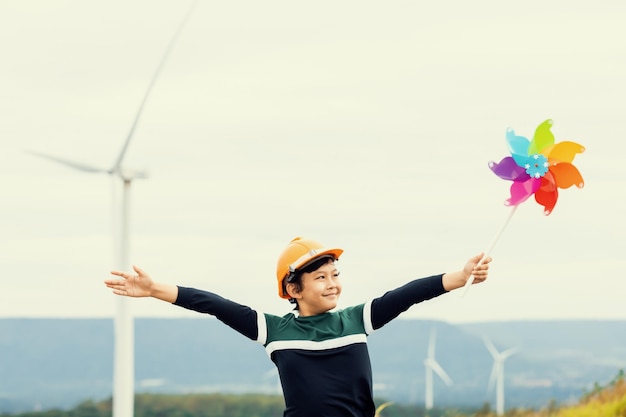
208, 405
603, 400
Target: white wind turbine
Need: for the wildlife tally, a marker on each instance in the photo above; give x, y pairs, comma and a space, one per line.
431, 365
124, 363
497, 373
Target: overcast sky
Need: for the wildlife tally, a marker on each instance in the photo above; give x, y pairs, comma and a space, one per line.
364, 125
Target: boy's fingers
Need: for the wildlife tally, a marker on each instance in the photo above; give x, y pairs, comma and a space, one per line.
121, 283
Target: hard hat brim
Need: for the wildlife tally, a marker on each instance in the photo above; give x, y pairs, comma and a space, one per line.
312, 255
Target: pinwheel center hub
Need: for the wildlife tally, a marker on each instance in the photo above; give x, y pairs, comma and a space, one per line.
538, 167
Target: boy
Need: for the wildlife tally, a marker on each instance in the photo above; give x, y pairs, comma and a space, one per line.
321, 354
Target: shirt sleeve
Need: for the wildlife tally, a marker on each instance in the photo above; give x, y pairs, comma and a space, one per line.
239, 317
392, 303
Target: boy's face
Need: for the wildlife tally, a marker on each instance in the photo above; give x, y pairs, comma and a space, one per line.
320, 290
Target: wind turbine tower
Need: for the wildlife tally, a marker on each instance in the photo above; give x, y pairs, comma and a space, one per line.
497, 373
123, 358
431, 366
124, 364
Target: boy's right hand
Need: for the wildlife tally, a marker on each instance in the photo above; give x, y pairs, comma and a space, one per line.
139, 285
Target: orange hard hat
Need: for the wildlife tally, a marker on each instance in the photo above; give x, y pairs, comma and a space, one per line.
297, 254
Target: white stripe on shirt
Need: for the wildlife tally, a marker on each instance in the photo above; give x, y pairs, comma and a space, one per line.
311, 345
367, 318
261, 328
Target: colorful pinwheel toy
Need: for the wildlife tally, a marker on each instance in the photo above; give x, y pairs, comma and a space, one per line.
538, 167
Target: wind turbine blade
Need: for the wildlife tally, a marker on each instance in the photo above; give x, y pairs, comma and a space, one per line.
431, 344
490, 346
508, 353
168, 49
76, 165
440, 371
271, 373
492, 377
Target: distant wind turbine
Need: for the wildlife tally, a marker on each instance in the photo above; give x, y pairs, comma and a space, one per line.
124, 366
497, 373
431, 365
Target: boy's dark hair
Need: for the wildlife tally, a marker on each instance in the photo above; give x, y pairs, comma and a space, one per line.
296, 277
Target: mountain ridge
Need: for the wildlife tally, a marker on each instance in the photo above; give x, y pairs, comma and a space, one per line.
57, 363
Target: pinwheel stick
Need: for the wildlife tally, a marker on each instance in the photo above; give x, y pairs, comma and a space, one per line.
470, 281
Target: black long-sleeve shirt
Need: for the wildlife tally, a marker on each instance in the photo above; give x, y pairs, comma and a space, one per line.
322, 360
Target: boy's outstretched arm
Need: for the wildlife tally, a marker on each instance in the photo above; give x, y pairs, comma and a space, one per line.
141, 285
457, 279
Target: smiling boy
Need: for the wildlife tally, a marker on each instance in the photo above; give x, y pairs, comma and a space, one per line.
321, 353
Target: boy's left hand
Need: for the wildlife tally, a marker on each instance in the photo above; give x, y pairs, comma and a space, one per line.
479, 271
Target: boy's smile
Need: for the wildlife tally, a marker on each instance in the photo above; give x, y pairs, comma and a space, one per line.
320, 290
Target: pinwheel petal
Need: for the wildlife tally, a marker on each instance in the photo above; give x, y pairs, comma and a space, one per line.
508, 169
520, 191
563, 152
522, 160
543, 138
518, 145
565, 175
547, 194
